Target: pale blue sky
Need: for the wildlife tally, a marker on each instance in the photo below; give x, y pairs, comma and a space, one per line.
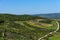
29, 6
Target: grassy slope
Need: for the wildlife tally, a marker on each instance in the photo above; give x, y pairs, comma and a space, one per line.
56, 36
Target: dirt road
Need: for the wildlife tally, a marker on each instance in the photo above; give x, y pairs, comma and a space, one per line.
50, 32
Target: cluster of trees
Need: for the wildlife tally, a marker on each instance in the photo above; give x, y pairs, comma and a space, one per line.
18, 17
46, 21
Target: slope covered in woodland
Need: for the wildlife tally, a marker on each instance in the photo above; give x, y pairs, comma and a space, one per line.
26, 27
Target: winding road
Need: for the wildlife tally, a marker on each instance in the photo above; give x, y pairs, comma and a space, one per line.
50, 32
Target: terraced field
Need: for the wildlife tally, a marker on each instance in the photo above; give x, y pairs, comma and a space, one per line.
38, 30
24, 30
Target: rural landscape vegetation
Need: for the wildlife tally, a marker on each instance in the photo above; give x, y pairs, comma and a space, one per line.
28, 27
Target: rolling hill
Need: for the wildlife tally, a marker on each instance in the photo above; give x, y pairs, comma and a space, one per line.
50, 15
26, 27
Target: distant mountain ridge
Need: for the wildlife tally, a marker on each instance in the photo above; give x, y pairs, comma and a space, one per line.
50, 15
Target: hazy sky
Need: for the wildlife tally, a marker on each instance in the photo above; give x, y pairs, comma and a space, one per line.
29, 6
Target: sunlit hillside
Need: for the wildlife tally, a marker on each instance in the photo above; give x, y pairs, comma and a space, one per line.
27, 27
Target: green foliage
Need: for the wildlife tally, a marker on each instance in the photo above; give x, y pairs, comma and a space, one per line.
18, 17
10, 30
46, 21
59, 28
